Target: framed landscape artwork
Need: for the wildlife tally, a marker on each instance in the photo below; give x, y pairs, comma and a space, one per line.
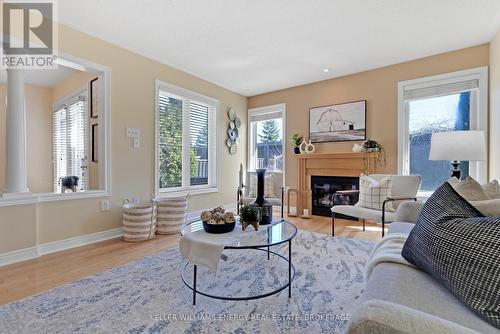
339, 122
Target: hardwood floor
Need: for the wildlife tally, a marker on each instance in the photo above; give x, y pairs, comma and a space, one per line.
35, 276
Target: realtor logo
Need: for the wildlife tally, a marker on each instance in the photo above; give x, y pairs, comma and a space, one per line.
29, 34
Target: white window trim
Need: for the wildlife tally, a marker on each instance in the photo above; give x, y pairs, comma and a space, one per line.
281, 107
213, 169
104, 137
478, 119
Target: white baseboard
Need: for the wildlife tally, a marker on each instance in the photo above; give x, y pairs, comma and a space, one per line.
18, 256
57, 246
60, 245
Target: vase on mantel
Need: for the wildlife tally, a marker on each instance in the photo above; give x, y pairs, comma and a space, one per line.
265, 207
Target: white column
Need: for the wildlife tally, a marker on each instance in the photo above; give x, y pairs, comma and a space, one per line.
15, 139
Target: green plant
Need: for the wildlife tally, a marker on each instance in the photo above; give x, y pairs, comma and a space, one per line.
296, 139
371, 145
250, 213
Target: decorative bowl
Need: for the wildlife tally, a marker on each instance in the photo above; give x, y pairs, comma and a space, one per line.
218, 228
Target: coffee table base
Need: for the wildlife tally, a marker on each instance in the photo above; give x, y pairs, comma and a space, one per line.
291, 277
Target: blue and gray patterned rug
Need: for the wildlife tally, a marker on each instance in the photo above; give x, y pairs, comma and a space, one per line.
148, 296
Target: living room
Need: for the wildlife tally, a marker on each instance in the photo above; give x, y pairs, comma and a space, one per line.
360, 140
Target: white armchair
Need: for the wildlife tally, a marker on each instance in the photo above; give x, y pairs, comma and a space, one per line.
403, 188
274, 190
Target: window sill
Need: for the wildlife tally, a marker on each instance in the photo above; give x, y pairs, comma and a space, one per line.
30, 198
189, 191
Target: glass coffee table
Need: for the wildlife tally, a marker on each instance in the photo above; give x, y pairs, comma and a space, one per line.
277, 233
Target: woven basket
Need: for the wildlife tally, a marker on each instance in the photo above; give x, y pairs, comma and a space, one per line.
139, 221
172, 214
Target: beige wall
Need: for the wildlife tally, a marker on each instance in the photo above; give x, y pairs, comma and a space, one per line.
132, 105
378, 87
38, 137
495, 107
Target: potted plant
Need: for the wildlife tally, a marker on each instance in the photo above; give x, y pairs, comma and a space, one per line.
250, 215
296, 140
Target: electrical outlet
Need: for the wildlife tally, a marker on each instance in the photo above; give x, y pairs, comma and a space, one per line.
104, 205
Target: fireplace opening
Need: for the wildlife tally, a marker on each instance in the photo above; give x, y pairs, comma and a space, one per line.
324, 193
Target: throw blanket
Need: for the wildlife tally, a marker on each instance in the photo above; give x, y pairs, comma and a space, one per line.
201, 252
387, 250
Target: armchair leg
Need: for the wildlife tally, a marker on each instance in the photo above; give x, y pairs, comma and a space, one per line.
333, 224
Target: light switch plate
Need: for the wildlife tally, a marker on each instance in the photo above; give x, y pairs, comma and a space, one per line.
133, 133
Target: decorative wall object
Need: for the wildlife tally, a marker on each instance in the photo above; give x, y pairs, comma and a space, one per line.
233, 131
94, 93
95, 143
340, 122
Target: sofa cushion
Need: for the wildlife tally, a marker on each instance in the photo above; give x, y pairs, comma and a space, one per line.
364, 213
469, 189
454, 243
400, 227
410, 287
490, 207
373, 193
492, 189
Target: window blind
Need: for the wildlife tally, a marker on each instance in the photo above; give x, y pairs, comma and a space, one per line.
440, 90
186, 149
70, 142
59, 147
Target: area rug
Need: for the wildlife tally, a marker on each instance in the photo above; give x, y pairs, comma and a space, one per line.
148, 296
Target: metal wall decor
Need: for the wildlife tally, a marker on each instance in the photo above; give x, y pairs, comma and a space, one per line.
233, 131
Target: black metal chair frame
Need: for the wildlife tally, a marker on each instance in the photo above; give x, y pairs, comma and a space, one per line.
387, 200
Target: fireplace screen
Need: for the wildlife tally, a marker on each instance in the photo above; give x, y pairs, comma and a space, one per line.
324, 193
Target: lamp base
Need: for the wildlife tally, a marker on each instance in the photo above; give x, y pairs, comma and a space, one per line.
455, 170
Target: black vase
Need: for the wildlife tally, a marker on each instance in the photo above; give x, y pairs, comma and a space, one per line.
265, 207
296, 150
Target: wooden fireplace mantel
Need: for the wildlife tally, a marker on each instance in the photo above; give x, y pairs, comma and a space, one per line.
329, 164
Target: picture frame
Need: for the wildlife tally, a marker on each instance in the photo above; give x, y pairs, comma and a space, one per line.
95, 143
94, 93
338, 122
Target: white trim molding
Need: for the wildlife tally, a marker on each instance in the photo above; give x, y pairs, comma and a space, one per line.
478, 116
104, 74
213, 174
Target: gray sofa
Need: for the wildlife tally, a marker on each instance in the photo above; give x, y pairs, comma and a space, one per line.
402, 299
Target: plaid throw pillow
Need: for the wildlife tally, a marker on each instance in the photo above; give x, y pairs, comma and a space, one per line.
373, 193
454, 243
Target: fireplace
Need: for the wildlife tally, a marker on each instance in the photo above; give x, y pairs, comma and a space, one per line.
324, 195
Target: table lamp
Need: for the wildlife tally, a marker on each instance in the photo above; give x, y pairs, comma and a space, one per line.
457, 146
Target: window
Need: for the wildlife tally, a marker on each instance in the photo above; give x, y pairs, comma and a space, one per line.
70, 141
265, 145
451, 102
186, 149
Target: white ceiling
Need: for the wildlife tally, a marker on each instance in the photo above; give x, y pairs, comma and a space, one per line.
252, 47
44, 78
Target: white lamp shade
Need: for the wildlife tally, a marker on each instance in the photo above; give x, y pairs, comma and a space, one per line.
458, 145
